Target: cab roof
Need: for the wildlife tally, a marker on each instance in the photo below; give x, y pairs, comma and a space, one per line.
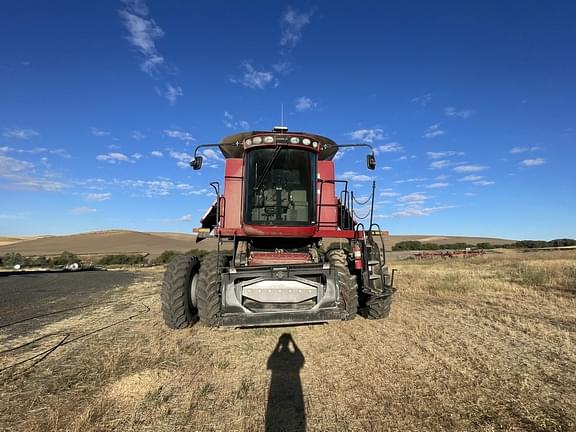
231, 147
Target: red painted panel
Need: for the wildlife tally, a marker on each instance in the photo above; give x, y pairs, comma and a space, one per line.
271, 258
328, 207
233, 184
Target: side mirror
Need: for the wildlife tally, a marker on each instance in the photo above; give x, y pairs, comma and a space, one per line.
196, 163
370, 161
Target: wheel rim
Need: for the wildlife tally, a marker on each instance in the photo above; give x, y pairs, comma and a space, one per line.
193, 285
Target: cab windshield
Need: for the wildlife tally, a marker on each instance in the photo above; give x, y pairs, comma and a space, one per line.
280, 186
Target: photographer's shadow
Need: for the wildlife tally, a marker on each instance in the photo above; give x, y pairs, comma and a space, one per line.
285, 410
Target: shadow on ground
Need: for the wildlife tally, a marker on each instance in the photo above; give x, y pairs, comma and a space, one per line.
285, 410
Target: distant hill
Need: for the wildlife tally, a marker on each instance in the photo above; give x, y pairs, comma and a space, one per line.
154, 243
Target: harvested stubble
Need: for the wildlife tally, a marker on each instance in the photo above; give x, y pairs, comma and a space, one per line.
486, 343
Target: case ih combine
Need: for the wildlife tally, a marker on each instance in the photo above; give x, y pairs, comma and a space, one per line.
280, 201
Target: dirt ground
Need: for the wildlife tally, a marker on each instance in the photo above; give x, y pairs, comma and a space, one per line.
486, 343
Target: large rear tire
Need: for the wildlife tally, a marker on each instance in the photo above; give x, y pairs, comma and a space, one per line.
176, 295
208, 289
377, 307
345, 281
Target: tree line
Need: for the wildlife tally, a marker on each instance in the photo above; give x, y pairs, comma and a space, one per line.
410, 245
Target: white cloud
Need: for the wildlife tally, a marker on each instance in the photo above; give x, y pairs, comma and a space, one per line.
469, 168
22, 175
36, 150
433, 131
304, 103
182, 158
439, 164
171, 93
157, 153
471, 178
230, 123
386, 168
254, 79
533, 162
99, 132
137, 156
443, 154
411, 180
17, 133
422, 100
113, 157
389, 194
418, 210
437, 185
137, 135
186, 218
367, 135
82, 210
355, 177
484, 183
391, 147
413, 197
98, 196
462, 113
142, 34
291, 25
178, 134
515, 150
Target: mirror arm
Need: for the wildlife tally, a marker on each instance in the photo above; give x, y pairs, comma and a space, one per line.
204, 145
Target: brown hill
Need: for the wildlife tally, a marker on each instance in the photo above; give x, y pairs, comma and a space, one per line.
125, 242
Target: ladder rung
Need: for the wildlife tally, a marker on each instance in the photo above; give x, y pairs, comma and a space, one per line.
373, 262
375, 276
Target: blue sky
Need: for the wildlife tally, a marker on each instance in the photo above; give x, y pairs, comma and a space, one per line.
471, 106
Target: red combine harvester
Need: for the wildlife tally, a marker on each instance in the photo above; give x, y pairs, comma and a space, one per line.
280, 201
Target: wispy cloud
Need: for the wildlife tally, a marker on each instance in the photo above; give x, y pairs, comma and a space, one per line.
433, 131
304, 103
99, 132
533, 162
37, 150
171, 93
186, 218
179, 134
515, 150
137, 135
113, 158
419, 210
469, 168
413, 197
439, 164
484, 182
355, 177
422, 100
292, 24
82, 210
157, 153
98, 196
21, 134
392, 147
253, 78
389, 194
143, 33
23, 175
367, 135
183, 159
411, 180
462, 113
444, 154
471, 178
231, 123
438, 185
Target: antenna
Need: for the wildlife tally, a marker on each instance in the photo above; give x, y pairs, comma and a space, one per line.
281, 114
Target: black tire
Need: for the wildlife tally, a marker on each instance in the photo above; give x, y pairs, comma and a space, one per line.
207, 291
345, 281
377, 307
177, 307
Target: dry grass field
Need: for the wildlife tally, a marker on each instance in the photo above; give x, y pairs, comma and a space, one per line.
486, 343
